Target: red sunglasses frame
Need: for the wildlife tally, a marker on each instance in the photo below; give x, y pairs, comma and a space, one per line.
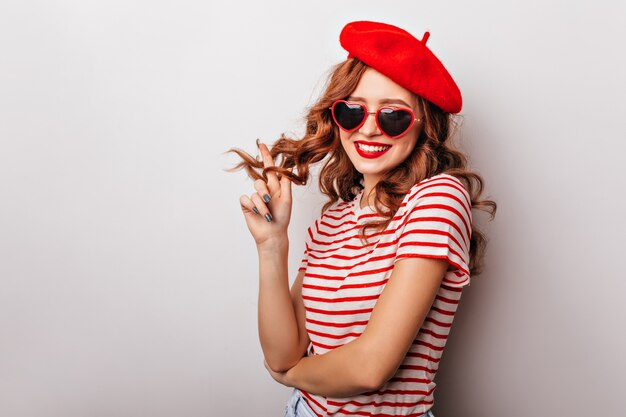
376, 113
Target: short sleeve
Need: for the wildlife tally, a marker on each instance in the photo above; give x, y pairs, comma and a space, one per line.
305, 256
305, 260
437, 223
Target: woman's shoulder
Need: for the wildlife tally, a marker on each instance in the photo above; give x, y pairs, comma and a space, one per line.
442, 181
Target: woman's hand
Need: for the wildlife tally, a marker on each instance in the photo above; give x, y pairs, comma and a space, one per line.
268, 210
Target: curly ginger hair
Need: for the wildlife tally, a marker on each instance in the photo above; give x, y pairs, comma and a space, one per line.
338, 178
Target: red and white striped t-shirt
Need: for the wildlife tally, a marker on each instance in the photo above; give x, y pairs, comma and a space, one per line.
343, 280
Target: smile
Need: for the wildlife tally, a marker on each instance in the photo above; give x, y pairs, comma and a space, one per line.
371, 150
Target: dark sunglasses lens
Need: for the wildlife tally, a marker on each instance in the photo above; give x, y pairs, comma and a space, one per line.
394, 122
348, 116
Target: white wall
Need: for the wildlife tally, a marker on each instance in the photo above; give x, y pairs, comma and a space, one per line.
128, 278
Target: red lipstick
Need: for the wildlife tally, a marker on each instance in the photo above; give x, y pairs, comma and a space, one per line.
371, 154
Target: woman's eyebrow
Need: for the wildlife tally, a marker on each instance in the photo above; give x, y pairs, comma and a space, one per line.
386, 100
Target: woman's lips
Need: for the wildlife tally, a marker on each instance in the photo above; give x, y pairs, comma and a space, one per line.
368, 153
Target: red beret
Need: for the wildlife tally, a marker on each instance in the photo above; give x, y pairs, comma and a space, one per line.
406, 60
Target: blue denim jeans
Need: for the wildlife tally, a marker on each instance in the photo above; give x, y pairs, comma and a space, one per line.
297, 407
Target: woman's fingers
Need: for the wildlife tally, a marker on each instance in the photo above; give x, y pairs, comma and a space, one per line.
255, 205
285, 187
261, 206
261, 187
247, 206
272, 178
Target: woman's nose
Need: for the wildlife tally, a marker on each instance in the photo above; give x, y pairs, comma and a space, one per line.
370, 128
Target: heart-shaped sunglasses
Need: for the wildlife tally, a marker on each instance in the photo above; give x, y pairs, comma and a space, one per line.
392, 121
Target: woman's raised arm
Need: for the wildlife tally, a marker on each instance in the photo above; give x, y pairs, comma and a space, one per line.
282, 331
267, 213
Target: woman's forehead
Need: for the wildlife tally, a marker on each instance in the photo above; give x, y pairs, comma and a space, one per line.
376, 88
384, 100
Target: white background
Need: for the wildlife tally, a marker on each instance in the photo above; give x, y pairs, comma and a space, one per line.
128, 279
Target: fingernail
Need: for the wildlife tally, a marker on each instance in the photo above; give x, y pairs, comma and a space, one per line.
258, 142
268, 217
266, 198
256, 210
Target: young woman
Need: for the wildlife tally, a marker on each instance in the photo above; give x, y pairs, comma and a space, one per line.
362, 330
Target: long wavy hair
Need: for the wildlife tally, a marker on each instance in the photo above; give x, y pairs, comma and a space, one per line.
338, 179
